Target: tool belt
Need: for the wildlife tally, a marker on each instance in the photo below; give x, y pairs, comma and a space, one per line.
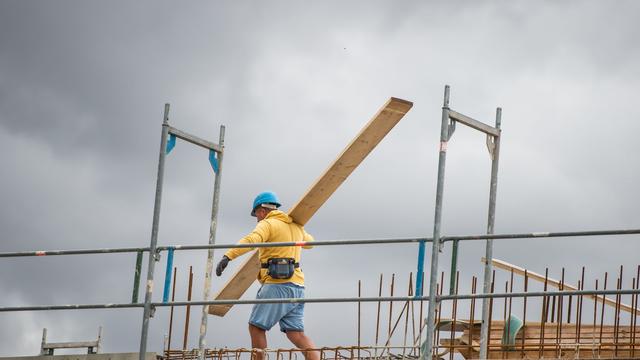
280, 268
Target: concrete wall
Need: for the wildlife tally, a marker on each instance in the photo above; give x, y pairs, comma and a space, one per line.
115, 356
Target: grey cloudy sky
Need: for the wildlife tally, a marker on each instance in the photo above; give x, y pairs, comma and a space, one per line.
82, 90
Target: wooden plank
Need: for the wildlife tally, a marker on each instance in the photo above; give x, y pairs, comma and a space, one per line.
368, 138
555, 283
383, 121
460, 325
591, 344
237, 285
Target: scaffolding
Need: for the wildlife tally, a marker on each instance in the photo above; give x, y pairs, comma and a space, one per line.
478, 339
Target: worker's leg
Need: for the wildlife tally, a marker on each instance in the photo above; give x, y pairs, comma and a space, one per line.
303, 342
258, 340
293, 325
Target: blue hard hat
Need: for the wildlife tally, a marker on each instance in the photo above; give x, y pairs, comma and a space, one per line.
267, 197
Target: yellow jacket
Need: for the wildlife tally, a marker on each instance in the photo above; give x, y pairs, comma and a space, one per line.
275, 227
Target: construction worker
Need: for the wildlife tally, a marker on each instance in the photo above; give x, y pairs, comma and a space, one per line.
280, 275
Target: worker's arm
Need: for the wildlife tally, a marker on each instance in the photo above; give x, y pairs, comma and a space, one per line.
259, 235
306, 238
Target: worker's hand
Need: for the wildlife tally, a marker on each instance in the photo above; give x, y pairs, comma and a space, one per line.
222, 265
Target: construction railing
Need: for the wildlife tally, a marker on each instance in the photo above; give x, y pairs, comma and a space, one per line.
437, 299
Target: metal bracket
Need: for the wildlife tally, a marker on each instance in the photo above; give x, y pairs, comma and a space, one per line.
156, 255
152, 311
171, 143
167, 275
452, 128
491, 145
213, 161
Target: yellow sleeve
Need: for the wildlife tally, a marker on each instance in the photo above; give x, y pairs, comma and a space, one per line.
307, 238
259, 235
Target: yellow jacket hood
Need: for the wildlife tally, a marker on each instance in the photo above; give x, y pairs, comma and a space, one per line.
279, 215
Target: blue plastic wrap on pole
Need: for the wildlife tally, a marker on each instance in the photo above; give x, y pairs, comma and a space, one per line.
213, 160
420, 271
167, 276
171, 143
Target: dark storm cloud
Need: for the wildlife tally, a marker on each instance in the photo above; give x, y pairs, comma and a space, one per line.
81, 100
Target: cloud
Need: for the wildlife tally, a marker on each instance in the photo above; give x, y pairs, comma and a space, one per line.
81, 105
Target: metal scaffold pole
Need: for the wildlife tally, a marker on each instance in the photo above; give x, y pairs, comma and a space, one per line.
153, 256
493, 143
212, 241
445, 135
448, 125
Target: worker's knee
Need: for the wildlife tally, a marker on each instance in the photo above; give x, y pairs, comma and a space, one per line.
296, 336
254, 330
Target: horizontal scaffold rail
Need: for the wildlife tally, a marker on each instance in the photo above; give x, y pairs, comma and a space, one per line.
325, 300
73, 252
473, 123
195, 140
326, 243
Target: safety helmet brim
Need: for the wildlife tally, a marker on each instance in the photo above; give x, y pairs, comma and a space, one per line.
265, 198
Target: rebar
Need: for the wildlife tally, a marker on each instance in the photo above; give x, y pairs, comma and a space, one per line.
173, 298
393, 278
188, 312
635, 315
406, 323
378, 314
604, 287
359, 303
454, 311
474, 284
544, 311
524, 305
579, 310
439, 290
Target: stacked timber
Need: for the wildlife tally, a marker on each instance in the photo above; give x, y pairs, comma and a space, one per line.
540, 340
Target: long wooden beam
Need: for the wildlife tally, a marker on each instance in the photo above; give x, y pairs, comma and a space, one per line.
368, 138
500, 264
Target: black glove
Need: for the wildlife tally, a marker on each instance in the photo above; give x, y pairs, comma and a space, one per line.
222, 265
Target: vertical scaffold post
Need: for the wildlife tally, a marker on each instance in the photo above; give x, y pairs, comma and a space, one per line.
212, 241
493, 142
153, 256
136, 278
433, 276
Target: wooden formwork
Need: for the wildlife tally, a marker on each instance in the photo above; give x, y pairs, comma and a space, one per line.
541, 340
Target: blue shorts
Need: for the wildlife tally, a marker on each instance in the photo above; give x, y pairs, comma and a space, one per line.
289, 315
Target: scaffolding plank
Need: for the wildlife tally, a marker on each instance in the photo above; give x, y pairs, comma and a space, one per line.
368, 138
